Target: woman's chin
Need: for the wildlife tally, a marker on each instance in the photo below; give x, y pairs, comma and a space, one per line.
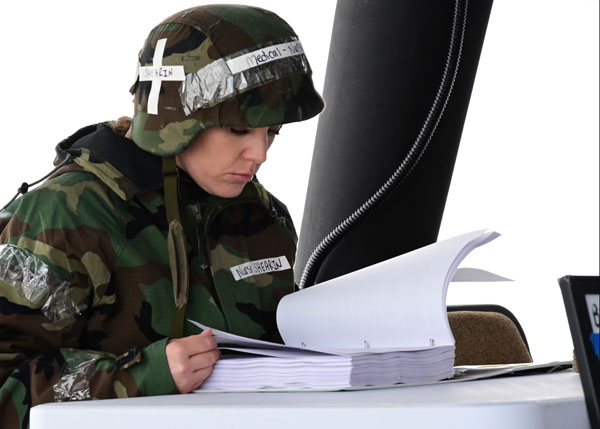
229, 191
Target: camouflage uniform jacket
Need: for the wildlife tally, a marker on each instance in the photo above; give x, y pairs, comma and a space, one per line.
86, 299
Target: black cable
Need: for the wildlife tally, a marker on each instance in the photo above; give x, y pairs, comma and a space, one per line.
413, 156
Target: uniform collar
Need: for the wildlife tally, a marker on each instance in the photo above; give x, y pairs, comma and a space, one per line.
114, 159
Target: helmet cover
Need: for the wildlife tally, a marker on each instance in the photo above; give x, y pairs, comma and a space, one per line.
219, 66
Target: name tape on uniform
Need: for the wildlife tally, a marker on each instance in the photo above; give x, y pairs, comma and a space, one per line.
262, 266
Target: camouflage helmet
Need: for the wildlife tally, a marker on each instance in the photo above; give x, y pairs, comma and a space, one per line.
219, 66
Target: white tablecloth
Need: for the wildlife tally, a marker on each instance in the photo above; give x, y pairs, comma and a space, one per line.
529, 402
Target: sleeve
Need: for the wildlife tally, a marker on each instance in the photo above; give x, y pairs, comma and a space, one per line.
58, 244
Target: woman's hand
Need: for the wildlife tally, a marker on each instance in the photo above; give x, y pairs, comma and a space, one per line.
191, 360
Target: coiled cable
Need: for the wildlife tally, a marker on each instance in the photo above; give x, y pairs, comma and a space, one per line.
411, 159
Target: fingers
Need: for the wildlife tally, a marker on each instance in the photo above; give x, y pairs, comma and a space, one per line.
191, 360
204, 360
195, 344
191, 381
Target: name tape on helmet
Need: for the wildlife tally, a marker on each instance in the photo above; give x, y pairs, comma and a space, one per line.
262, 266
162, 73
265, 55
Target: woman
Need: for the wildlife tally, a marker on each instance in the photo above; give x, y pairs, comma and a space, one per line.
145, 226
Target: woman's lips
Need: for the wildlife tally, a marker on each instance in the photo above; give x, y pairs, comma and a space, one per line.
243, 177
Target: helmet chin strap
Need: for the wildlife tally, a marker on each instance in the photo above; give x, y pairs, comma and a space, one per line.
176, 245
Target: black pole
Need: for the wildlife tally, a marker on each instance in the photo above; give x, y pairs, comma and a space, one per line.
387, 66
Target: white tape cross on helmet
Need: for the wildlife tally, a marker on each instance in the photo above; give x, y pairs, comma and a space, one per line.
157, 73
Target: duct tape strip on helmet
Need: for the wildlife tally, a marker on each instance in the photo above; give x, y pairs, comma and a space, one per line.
244, 70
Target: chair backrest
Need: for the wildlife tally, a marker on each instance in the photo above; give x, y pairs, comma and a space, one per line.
487, 334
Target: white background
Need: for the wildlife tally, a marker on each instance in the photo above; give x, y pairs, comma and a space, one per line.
527, 165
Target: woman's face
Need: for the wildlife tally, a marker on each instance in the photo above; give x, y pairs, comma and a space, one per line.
222, 160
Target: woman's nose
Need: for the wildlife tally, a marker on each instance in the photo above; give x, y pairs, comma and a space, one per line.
258, 144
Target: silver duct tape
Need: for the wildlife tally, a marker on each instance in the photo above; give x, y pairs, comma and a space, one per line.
33, 280
74, 384
224, 78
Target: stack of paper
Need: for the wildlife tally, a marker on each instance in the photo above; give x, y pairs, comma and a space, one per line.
289, 368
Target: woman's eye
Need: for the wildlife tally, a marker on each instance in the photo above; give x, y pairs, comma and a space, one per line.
243, 131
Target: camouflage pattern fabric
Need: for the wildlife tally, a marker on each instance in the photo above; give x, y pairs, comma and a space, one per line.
86, 298
243, 66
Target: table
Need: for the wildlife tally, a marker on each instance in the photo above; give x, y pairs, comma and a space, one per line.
534, 401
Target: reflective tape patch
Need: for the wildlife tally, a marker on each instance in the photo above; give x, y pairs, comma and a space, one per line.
262, 266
